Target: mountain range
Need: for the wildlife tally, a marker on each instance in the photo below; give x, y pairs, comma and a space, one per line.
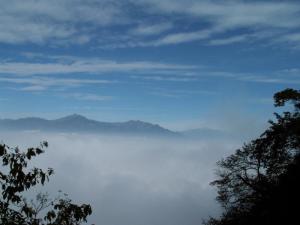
79, 124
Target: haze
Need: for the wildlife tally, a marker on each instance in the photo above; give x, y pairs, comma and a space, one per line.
132, 180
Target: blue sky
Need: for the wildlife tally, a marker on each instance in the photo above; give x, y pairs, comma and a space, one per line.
180, 63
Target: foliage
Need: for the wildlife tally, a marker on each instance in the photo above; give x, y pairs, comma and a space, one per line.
16, 178
259, 182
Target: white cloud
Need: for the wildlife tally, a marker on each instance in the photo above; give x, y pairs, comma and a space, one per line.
177, 93
230, 40
153, 29
290, 38
183, 37
233, 14
41, 76
43, 21
65, 64
43, 83
53, 81
165, 78
223, 16
141, 180
116, 24
88, 97
293, 37
34, 88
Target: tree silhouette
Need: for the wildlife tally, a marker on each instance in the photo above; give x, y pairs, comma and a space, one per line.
16, 178
259, 183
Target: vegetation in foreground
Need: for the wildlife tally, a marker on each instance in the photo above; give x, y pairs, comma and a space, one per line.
16, 178
260, 183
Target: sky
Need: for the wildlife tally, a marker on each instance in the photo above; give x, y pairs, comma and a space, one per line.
180, 63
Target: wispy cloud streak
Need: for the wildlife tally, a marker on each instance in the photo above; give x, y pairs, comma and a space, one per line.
113, 24
85, 66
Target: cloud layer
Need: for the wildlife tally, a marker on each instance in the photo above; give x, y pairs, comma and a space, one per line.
141, 23
132, 180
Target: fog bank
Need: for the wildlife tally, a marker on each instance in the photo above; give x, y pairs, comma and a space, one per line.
132, 180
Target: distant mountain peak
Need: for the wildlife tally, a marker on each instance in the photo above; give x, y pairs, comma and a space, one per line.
137, 122
73, 117
80, 124
143, 123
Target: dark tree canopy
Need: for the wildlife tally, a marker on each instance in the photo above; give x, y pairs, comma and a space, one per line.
260, 183
16, 178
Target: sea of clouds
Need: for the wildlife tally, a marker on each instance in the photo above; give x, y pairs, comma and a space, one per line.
132, 180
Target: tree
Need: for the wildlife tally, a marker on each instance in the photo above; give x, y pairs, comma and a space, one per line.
16, 178
259, 182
